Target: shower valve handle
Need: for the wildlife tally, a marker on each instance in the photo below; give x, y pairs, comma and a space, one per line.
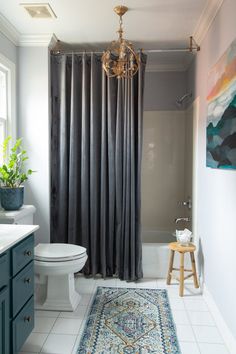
187, 203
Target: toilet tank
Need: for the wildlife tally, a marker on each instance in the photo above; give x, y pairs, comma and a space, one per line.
23, 216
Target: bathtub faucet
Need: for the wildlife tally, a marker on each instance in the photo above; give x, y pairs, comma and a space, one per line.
182, 219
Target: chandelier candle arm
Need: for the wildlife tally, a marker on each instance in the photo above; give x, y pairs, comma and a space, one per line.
120, 59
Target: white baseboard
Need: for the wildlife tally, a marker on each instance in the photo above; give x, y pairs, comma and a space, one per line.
228, 337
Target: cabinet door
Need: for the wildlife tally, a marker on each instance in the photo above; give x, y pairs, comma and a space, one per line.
4, 321
22, 326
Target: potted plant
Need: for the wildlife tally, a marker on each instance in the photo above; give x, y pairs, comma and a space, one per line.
13, 174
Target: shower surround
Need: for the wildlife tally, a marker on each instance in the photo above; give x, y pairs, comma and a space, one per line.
166, 180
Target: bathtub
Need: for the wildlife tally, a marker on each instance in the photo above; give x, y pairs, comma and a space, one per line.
156, 253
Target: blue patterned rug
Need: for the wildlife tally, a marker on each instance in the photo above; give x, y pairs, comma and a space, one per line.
129, 321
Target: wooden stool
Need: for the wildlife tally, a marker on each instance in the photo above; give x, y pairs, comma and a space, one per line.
175, 246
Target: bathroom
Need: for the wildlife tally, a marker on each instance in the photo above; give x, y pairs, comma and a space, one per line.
173, 171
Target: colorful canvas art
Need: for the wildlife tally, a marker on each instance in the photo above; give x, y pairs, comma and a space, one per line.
221, 114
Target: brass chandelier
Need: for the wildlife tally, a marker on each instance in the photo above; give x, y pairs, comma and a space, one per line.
120, 59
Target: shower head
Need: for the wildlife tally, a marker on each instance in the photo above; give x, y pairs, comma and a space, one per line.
181, 100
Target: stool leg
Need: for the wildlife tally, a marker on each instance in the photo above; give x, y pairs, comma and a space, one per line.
181, 277
172, 254
194, 270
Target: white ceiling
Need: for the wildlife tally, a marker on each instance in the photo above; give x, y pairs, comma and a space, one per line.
150, 24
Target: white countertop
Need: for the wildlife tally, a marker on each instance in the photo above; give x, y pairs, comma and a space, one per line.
11, 234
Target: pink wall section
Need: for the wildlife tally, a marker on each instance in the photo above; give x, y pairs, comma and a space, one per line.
216, 188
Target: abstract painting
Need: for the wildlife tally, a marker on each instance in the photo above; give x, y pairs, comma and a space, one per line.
221, 112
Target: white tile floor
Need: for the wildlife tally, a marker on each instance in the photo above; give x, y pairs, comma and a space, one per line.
59, 332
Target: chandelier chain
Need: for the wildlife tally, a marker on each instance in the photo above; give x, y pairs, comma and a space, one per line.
120, 30
120, 59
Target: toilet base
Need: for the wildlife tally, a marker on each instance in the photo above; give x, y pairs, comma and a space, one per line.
56, 293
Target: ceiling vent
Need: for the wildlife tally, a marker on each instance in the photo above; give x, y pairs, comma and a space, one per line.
39, 10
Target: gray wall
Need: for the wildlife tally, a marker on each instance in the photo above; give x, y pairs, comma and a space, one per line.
163, 171
162, 89
32, 123
33, 126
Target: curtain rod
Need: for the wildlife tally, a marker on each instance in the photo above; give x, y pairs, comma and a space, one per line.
193, 46
142, 50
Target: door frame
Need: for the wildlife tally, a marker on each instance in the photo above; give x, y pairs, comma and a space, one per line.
195, 110
199, 259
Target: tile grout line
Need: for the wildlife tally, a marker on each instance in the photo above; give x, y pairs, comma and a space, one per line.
84, 320
192, 327
73, 349
43, 343
198, 342
48, 334
195, 311
209, 311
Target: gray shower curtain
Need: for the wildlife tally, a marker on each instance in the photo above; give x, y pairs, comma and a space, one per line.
96, 146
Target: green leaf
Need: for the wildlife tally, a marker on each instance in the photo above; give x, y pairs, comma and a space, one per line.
12, 172
17, 145
5, 146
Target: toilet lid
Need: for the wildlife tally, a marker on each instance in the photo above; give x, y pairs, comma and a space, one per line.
56, 252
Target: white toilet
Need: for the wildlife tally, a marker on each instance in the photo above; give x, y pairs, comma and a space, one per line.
55, 265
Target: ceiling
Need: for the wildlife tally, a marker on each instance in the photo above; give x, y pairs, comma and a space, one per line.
150, 24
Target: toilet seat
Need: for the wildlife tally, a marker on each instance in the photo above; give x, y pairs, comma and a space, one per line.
58, 252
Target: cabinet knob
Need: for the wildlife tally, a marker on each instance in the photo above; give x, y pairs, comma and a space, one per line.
28, 253
27, 280
27, 319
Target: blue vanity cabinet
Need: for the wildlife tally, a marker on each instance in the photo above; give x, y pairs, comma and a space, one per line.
4, 303
16, 295
22, 293
4, 269
4, 320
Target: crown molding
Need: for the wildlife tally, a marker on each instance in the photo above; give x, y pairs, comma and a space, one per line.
25, 40
207, 17
53, 41
8, 30
35, 40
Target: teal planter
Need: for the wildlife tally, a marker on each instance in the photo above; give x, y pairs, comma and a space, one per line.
12, 198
